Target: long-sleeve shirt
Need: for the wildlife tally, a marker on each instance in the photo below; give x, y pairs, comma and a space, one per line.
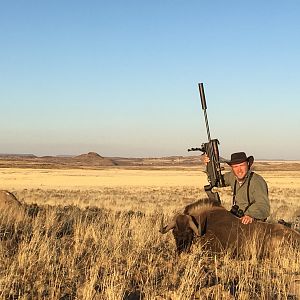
258, 194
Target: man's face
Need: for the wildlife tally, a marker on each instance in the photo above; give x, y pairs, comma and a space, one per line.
240, 170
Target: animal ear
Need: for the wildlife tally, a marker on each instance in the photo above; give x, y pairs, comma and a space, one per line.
194, 227
168, 227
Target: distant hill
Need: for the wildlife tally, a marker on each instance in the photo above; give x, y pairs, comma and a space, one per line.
89, 160
94, 159
90, 155
3, 155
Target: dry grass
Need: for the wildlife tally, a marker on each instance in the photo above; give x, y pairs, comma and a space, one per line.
96, 237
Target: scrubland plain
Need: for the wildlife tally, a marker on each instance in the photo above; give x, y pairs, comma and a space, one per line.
93, 234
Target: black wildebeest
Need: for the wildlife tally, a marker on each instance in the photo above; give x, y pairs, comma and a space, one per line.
218, 230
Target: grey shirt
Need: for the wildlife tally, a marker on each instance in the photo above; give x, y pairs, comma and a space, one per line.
258, 194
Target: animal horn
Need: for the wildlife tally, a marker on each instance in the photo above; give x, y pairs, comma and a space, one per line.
168, 227
161, 224
193, 227
199, 227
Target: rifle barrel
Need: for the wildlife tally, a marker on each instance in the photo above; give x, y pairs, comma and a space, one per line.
202, 95
204, 107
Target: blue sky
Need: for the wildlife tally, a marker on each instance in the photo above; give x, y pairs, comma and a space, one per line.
120, 77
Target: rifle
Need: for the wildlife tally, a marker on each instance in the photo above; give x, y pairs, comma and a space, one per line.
213, 168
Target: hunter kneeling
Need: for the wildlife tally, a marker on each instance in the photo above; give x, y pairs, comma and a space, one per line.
250, 191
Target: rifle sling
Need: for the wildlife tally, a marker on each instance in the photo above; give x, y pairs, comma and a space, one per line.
248, 197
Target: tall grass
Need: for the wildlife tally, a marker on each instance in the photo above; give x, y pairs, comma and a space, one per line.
105, 244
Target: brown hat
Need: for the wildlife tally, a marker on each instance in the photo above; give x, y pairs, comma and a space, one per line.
239, 157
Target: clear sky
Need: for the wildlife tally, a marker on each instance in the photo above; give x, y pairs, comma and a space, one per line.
120, 77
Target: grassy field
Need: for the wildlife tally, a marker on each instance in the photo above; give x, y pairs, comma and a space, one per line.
96, 237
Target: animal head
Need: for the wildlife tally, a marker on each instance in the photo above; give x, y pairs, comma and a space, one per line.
184, 231
190, 224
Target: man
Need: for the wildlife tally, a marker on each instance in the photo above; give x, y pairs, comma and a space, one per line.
250, 190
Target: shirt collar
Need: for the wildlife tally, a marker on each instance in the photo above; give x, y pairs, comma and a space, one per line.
244, 180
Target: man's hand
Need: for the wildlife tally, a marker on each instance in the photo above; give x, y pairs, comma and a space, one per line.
204, 158
246, 220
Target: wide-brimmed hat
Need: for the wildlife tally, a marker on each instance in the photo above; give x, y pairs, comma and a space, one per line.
239, 157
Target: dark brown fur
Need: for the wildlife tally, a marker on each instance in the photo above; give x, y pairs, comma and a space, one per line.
182, 233
221, 230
